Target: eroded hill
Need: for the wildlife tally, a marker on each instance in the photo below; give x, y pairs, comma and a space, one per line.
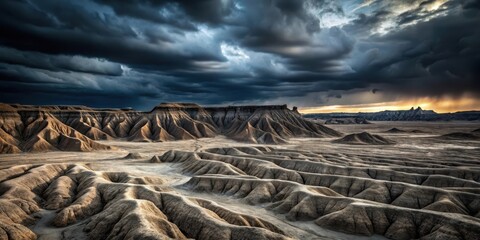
44, 128
364, 138
114, 205
399, 198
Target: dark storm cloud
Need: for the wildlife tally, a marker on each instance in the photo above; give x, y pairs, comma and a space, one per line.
59, 62
149, 11
181, 13
471, 4
363, 24
140, 52
76, 30
433, 58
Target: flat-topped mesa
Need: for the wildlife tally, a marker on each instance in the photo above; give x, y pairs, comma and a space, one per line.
223, 116
248, 108
176, 106
19, 107
183, 111
229, 113
57, 110
413, 114
271, 124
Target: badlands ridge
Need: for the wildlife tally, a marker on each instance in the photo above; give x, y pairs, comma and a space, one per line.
48, 128
182, 171
394, 198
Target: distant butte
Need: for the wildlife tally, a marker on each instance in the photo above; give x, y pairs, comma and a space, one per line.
413, 114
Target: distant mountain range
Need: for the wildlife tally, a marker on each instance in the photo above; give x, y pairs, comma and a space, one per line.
413, 114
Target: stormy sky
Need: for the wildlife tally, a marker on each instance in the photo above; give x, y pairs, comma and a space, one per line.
138, 53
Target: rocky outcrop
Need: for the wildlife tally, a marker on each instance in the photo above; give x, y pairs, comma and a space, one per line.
115, 205
421, 200
266, 124
48, 128
408, 115
347, 121
364, 138
38, 131
413, 114
260, 192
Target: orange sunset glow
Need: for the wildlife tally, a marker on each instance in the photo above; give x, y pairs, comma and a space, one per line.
439, 105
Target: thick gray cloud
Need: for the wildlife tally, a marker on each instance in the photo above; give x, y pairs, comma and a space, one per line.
139, 52
59, 62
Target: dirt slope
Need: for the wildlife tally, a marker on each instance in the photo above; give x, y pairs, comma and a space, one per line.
364, 138
115, 205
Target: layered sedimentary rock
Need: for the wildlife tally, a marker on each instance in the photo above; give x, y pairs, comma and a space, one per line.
398, 199
408, 197
39, 130
114, 205
266, 124
44, 128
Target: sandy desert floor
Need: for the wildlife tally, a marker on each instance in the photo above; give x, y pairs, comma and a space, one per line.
305, 189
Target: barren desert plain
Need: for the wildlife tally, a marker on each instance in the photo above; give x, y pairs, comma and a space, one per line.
186, 172
239, 119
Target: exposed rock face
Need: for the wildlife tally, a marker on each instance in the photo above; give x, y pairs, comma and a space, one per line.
29, 128
265, 124
115, 205
409, 115
37, 131
424, 200
347, 121
364, 138
414, 198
